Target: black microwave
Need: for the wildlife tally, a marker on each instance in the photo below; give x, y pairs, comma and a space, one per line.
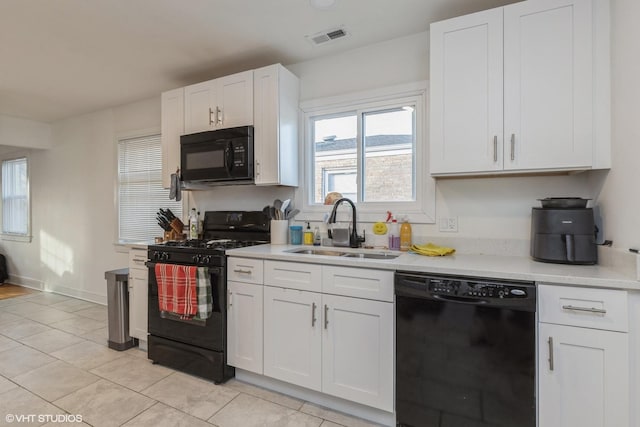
218, 156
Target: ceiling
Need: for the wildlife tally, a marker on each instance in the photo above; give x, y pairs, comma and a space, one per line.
68, 57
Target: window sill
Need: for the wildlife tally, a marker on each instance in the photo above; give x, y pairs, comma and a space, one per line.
364, 217
16, 237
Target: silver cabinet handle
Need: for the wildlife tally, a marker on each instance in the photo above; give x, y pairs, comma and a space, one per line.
313, 314
550, 353
242, 271
326, 316
513, 146
587, 309
495, 148
219, 116
210, 114
230, 300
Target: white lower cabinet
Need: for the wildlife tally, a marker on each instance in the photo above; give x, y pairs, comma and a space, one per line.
293, 336
244, 326
357, 350
583, 377
338, 345
138, 293
583, 357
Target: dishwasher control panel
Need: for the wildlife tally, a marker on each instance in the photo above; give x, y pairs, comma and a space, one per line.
475, 289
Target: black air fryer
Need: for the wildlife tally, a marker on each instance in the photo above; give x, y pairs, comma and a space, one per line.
564, 236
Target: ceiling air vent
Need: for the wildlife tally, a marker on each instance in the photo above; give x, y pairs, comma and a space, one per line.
328, 36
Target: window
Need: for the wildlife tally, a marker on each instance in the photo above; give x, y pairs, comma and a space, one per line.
140, 192
370, 148
15, 198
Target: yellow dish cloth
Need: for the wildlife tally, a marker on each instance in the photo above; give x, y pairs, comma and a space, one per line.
432, 250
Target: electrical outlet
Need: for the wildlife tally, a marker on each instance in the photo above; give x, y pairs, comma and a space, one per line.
448, 224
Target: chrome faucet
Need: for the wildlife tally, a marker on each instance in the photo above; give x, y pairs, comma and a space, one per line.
354, 240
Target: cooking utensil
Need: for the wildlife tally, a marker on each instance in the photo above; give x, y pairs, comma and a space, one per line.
272, 212
291, 214
564, 202
285, 205
277, 203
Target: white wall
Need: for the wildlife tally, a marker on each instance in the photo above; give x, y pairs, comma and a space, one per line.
619, 196
73, 203
16, 132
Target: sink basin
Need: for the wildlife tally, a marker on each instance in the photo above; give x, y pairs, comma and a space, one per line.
329, 252
370, 255
326, 252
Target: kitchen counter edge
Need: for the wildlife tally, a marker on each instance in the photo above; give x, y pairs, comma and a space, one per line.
487, 266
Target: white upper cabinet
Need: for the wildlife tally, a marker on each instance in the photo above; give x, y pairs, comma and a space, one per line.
172, 119
521, 88
220, 103
466, 93
276, 126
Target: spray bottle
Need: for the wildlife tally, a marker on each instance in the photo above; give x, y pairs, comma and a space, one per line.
394, 233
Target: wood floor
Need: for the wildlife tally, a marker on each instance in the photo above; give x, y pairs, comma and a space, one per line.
8, 290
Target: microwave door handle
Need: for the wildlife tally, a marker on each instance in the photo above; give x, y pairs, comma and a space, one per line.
228, 158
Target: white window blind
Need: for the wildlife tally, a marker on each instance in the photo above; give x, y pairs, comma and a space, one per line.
15, 197
140, 192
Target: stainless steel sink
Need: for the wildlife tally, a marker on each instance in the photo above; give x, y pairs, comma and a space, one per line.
370, 255
329, 252
326, 252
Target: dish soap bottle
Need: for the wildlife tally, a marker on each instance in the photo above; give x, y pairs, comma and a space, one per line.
394, 235
405, 235
193, 224
308, 235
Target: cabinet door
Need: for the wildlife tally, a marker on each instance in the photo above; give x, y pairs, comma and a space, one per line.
244, 326
357, 350
171, 128
292, 336
266, 116
138, 303
275, 114
548, 66
466, 93
200, 101
583, 377
234, 100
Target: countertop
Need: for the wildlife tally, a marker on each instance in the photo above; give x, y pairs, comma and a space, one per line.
490, 266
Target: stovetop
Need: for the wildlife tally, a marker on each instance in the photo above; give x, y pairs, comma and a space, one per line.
222, 230
214, 244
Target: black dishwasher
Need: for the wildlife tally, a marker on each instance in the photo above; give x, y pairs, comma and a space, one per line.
465, 351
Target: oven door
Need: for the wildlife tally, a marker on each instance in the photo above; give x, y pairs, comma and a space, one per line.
217, 156
210, 334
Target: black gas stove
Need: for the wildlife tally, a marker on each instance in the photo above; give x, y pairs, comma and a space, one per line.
223, 230
198, 347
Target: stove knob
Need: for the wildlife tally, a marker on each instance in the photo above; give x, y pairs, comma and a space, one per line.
206, 259
156, 255
164, 256
196, 258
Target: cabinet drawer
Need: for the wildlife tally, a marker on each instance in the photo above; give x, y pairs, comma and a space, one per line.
137, 258
358, 282
589, 308
293, 275
245, 270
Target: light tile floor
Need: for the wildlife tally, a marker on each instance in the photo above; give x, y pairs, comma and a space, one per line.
54, 361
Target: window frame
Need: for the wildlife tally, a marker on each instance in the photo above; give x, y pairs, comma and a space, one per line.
422, 210
17, 237
123, 245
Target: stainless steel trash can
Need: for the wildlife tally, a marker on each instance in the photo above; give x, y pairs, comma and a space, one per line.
118, 309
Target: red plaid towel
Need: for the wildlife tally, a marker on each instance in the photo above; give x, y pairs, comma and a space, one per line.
177, 288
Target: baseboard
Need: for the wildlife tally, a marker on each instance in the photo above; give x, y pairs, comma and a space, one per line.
78, 293
27, 282
350, 408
